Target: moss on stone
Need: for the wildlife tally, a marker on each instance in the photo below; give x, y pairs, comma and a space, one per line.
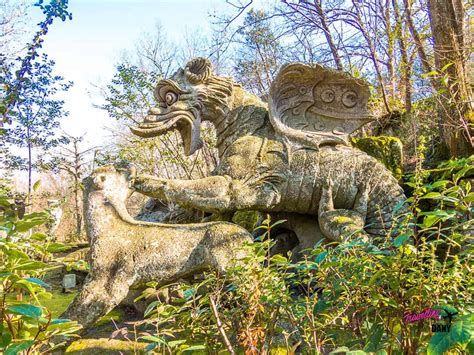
105, 346
246, 219
117, 315
388, 150
342, 220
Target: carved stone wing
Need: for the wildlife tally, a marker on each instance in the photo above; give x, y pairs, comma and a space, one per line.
312, 105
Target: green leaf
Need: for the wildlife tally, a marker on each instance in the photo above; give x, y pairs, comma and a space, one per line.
428, 221
36, 185
60, 321
460, 333
5, 340
277, 223
150, 347
153, 339
320, 257
432, 195
57, 247
279, 259
195, 347
374, 277
39, 236
27, 310
38, 282
150, 308
400, 240
469, 197
446, 66
439, 344
27, 224
31, 265
431, 73
470, 346
462, 329
440, 183
373, 343
5, 274
14, 349
342, 349
175, 343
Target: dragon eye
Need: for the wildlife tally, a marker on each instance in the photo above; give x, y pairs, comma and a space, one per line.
171, 98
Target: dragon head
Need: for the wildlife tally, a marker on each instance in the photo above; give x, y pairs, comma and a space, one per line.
192, 95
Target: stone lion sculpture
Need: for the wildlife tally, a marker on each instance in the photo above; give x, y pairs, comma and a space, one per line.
126, 253
291, 156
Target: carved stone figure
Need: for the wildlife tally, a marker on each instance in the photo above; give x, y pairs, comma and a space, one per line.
291, 158
126, 253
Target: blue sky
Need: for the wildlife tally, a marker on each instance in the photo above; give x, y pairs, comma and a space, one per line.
86, 48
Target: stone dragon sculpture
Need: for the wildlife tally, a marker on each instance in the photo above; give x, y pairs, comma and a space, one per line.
291, 156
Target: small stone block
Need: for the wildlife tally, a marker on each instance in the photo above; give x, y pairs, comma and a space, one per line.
69, 281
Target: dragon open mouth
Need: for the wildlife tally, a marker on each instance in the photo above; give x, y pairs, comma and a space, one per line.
183, 121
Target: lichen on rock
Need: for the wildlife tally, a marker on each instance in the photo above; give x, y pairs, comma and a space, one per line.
247, 219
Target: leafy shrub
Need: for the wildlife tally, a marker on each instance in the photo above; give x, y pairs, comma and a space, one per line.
351, 297
25, 324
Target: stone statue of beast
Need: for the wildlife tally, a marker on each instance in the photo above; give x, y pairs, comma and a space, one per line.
289, 156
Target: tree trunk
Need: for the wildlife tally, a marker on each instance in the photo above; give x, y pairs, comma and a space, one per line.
77, 172
405, 63
455, 100
30, 167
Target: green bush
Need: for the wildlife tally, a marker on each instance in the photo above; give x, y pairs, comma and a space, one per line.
341, 298
25, 325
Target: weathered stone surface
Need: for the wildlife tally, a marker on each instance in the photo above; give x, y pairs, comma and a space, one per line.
387, 150
105, 346
277, 159
127, 253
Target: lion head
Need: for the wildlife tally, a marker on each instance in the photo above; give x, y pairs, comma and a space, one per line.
192, 95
